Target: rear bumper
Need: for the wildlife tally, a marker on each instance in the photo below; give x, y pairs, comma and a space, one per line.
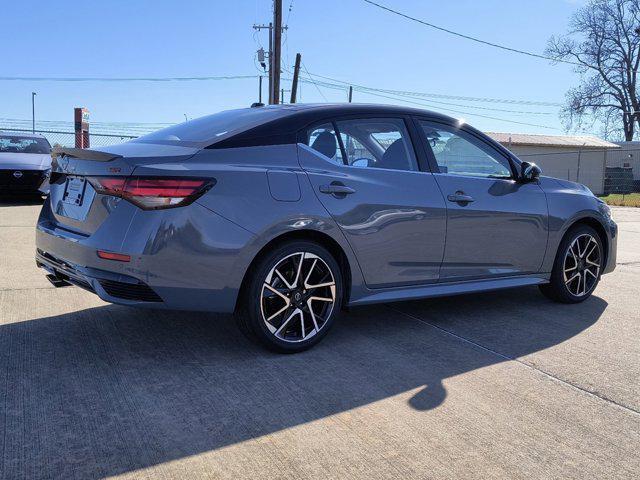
114, 288
187, 258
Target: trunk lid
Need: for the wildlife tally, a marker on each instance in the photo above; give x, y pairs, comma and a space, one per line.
74, 204
24, 161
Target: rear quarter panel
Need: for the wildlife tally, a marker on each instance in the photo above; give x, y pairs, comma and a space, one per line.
262, 190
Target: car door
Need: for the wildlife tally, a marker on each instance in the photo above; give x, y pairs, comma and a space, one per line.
496, 225
365, 173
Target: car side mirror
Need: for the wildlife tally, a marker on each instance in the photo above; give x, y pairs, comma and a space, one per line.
530, 172
360, 162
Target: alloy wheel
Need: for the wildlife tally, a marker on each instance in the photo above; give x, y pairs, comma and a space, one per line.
581, 266
298, 297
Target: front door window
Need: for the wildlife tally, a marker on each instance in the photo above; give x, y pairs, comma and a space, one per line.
459, 153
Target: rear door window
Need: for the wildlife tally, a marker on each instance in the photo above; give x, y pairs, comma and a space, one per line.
323, 140
377, 143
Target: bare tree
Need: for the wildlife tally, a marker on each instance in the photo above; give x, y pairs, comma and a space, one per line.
604, 43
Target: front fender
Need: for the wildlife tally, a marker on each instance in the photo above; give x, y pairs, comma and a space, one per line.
561, 220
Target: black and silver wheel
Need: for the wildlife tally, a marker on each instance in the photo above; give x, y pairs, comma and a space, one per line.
292, 297
577, 267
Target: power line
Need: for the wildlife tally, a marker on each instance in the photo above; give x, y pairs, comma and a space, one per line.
421, 103
459, 111
244, 77
450, 97
407, 94
289, 12
364, 89
126, 79
313, 81
517, 112
474, 39
92, 123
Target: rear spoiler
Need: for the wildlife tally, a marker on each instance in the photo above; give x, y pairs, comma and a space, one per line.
83, 154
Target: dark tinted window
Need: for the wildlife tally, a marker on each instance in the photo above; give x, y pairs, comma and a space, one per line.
18, 144
213, 128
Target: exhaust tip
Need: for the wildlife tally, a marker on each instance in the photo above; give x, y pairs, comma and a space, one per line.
57, 281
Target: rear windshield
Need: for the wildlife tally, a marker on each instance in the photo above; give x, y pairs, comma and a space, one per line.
18, 144
207, 130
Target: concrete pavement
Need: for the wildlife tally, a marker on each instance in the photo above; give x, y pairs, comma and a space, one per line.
500, 385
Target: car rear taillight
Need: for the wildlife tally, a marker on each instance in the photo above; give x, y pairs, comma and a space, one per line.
152, 193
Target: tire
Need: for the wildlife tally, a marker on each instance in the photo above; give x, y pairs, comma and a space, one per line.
277, 307
577, 266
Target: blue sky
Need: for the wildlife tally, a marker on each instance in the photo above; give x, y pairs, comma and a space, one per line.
343, 39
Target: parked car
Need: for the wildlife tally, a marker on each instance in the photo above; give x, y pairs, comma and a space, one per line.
25, 160
285, 214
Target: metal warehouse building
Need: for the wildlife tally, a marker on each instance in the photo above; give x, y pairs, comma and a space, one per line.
577, 158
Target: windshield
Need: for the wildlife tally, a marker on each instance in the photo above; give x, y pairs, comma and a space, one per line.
212, 128
18, 144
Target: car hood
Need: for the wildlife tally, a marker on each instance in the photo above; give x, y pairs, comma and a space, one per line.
24, 161
557, 184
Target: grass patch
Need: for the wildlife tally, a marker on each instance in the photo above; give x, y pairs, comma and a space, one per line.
619, 200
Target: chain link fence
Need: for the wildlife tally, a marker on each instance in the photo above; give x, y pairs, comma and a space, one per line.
621, 166
623, 169
619, 180
68, 139
622, 175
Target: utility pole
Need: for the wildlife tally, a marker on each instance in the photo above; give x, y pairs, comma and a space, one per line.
33, 112
277, 47
270, 55
294, 83
350, 93
270, 63
275, 51
579, 155
260, 89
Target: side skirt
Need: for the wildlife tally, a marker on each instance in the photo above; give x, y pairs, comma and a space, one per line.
397, 294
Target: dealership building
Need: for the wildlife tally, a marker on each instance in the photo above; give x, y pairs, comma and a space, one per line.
578, 158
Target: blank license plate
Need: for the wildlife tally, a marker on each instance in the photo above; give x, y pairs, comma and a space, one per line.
74, 191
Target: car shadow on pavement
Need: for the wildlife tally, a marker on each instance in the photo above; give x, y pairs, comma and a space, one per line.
109, 390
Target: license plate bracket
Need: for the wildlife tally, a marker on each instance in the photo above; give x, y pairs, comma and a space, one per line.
74, 191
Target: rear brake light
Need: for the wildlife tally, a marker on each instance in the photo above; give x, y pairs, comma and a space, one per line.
152, 193
119, 257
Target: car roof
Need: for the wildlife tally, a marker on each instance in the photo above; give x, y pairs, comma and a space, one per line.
330, 109
296, 117
21, 134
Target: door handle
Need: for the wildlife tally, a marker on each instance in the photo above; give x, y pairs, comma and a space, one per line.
460, 197
337, 189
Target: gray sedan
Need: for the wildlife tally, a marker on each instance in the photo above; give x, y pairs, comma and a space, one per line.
286, 214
